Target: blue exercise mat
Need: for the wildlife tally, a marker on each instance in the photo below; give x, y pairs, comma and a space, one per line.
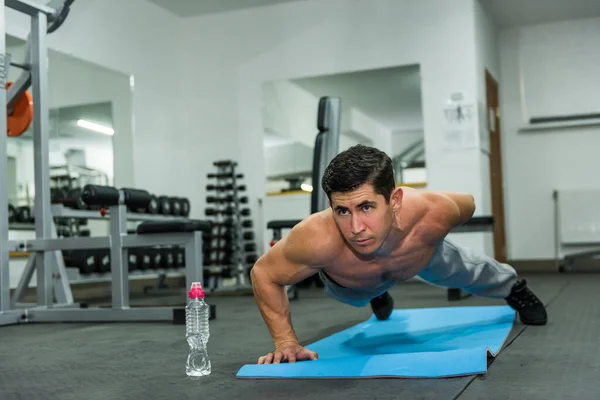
413, 343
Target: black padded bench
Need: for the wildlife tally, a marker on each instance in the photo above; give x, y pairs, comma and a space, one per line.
193, 249
173, 226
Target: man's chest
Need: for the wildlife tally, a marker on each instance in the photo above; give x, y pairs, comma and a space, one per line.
350, 271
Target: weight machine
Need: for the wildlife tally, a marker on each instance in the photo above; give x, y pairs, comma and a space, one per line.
103, 202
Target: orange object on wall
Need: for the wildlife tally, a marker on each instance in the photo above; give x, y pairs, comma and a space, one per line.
19, 119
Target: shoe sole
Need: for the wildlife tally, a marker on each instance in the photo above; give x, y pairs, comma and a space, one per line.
537, 323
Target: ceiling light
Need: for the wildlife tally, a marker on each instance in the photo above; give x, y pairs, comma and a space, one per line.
306, 187
95, 127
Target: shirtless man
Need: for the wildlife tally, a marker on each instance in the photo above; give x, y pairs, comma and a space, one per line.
373, 236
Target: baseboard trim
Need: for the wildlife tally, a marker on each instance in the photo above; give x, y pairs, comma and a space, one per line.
537, 265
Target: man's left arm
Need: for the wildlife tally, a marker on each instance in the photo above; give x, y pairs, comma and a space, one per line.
465, 203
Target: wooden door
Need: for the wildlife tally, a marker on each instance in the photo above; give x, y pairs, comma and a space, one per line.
496, 177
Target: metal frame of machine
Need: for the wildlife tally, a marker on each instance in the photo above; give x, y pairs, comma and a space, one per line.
46, 260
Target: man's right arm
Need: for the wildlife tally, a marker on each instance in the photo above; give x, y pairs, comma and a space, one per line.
294, 258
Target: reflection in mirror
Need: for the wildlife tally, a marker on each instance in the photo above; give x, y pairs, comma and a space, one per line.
90, 123
380, 108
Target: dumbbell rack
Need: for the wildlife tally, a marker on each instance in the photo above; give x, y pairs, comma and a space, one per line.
119, 242
228, 229
64, 276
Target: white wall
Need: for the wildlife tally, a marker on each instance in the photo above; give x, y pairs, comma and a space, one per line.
537, 162
325, 37
559, 68
290, 111
336, 36
137, 38
401, 140
367, 127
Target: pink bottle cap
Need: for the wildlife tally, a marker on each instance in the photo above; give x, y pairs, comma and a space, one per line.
196, 291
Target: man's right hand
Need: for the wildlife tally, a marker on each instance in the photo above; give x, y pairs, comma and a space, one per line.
290, 352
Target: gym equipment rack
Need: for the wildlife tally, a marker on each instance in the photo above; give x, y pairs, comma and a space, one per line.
233, 242
51, 274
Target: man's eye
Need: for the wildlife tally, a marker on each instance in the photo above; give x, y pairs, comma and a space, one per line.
342, 212
366, 208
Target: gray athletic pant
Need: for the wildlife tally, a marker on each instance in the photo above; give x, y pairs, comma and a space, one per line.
450, 266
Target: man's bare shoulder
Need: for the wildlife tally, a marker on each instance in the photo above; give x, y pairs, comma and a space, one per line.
314, 241
438, 214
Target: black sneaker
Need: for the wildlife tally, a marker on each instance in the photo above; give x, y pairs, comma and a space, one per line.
382, 306
526, 303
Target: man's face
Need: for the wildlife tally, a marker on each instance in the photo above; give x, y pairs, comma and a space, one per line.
363, 217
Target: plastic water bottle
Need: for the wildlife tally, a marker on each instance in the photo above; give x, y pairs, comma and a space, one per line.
197, 332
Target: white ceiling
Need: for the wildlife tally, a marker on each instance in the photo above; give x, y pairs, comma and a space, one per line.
512, 13
392, 96
191, 8
506, 13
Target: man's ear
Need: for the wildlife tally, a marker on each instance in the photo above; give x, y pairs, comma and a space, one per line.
396, 198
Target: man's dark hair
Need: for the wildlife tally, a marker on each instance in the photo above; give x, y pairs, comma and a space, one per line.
357, 166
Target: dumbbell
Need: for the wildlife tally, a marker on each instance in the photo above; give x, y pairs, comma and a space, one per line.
103, 260
251, 258
224, 175
229, 222
157, 259
74, 200
227, 211
185, 206
226, 272
133, 259
175, 205
180, 257
226, 249
224, 163
152, 207
97, 196
84, 260
248, 235
178, 206
222, 188
226, 199
164, 205
12, 214
169, 257
59, 195
145, 258
23, 214
224, 235
250, 247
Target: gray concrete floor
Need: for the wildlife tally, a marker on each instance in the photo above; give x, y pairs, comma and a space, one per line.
147, 360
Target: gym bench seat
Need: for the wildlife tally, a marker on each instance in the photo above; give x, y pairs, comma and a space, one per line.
186, 225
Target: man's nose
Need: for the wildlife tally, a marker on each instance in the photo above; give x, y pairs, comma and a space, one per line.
357, 226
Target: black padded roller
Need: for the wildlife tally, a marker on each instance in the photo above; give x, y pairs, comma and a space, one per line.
95, 195
323, 115
136, 199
